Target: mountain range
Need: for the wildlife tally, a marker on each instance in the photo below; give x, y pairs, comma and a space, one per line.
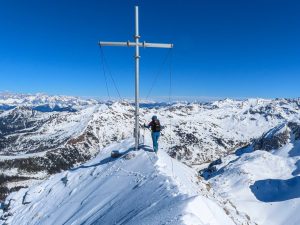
240, 155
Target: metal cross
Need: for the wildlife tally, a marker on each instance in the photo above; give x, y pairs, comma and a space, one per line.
137, 45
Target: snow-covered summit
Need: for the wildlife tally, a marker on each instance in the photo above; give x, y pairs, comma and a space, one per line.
138, 188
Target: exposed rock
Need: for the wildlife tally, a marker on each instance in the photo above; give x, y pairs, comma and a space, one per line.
295, 127
278, 137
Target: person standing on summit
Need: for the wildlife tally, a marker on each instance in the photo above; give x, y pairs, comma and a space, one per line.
155, 131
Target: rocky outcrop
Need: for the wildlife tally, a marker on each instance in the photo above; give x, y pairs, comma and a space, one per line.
295, 128
278, 137
274, 139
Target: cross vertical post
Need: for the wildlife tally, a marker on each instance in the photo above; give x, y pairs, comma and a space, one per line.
137, 79
137, 45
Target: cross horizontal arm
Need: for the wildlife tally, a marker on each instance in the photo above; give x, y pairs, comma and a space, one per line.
156, 45
133, 44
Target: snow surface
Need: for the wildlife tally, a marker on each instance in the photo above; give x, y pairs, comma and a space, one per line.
263, 184
138, 188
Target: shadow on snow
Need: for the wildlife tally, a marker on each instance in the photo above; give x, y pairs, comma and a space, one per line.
295, 151
244, 150
146, 148
276, 190
103, 161
297, 170
110, 159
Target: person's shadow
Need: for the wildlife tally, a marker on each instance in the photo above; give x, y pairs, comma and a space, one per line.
104, 161
111, 159
146, 148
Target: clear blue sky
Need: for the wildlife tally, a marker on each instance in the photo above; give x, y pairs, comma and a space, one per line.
232, 48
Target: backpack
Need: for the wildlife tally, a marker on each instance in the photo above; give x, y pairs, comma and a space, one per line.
155, 126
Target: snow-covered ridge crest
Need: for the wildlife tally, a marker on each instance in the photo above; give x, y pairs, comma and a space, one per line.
138, 188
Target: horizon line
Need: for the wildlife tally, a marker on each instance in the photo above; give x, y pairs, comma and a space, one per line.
154, 98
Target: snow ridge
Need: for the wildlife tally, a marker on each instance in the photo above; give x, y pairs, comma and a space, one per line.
135, 189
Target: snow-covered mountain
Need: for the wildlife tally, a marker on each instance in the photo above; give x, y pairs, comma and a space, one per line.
43, 102
263, 179
138, 188
46, 142
35, 144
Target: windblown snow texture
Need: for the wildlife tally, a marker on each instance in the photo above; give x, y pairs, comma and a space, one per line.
134, 189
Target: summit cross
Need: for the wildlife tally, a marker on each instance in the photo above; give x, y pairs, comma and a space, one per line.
137, 44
